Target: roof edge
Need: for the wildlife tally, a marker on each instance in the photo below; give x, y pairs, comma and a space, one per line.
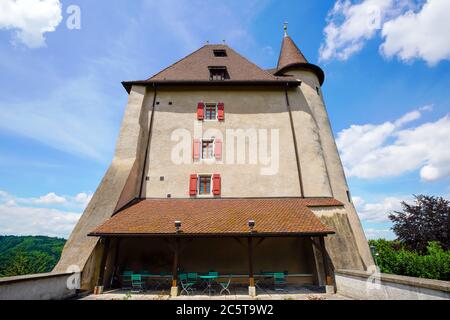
278, 83
308, 66
212, 235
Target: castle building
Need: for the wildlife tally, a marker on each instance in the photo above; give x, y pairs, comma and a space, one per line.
221, 165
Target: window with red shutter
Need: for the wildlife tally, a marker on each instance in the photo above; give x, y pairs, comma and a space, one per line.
196, 149
220, 111
201, 111
218, 149
193, 185
216, 184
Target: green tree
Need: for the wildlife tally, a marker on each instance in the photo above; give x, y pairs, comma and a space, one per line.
427, 219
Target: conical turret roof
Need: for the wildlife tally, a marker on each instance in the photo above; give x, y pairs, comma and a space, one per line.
292, 57
290, 54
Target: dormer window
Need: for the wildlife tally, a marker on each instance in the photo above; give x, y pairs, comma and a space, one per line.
220, 53
218, 73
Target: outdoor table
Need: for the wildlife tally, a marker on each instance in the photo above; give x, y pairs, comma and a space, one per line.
209, 281
262, 279
158, 279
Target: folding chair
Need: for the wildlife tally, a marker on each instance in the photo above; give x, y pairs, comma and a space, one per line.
126, 279
186, 285
225, 286
136, 283
279, 279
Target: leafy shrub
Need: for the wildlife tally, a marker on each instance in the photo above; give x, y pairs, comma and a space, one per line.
395, 258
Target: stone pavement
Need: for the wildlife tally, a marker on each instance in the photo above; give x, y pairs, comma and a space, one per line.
290, 293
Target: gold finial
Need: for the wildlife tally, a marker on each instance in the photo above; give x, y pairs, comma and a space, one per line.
285, 28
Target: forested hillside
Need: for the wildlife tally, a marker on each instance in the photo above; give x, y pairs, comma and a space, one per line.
28, 254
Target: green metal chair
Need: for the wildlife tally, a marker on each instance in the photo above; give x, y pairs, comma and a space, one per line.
279, 280
186, 285
126, 279
137, 285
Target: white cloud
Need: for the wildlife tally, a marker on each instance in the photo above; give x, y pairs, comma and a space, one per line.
31, 19
422, 35
50, 215
50, 198
83, 198
350, 25
372, 151
409, 30
378, 211
24, 220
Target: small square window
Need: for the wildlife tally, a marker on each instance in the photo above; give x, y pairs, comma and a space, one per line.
208, 149
218, 73
204, 185
211, 111
220, 53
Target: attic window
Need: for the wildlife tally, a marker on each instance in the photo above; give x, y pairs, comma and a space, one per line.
220, 53
218, 73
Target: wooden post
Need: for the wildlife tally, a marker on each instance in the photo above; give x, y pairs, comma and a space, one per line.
175, 262
99, 288
114, 265
250, 262
328, 280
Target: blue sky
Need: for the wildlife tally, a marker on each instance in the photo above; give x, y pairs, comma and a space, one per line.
61, 100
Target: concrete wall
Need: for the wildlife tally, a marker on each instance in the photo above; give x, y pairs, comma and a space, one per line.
364, 286
120, 184
45, 286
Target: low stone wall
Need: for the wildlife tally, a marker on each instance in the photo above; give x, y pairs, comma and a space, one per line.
367, 286
45, 286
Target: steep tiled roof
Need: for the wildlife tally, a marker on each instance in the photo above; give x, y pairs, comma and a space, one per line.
194, 69
218, 217
195, 66
290, 54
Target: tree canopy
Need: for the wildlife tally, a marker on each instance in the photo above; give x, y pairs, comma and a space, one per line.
426, 220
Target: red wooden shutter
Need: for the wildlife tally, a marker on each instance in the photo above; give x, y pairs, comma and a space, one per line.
196, 149
193, 185
218, 149
216, 184
221, 111
201, 111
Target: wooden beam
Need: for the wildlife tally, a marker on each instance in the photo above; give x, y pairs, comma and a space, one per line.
114, 265
175, 262
260, 241
250, 262
104, 256
238, 240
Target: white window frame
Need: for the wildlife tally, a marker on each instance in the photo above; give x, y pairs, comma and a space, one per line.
216, 104
210, 194
213, 150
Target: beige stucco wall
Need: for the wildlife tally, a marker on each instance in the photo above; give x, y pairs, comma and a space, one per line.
119, 185
244, 109
333, 163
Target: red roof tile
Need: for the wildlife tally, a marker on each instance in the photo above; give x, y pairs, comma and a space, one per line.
218, 217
